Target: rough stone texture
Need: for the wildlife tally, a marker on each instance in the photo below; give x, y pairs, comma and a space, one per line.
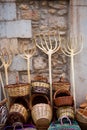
7, 11
44, 15
39, 63
11, 44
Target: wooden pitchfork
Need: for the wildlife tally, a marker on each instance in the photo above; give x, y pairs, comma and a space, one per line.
27, 54
6, 59
73, 47
49, 45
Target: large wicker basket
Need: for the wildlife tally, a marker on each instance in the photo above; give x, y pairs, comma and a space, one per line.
37, 99
63, 97
41, 114
17, 113
15, 90
65, 111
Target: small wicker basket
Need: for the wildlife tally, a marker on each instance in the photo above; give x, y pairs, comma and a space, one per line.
61, 84
41, 114
17, 113
62, 98
16, 90
65, 111
40, 87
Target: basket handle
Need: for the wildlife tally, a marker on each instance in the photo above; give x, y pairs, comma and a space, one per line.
17, 124
85, 109
61, 120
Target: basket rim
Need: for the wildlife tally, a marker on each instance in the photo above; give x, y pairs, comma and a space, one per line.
16, 85
35, 95
62, 91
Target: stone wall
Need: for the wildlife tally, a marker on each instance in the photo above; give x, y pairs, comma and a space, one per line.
19, 21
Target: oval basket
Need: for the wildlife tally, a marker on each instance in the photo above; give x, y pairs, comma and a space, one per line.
37, 99
17, 113
41, 114
40, 87
65, 111
62, 98
16, 90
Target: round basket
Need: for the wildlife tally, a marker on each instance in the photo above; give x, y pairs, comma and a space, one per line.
65, 111
16, 90
17, 113
41, 114
40, 87
62, 98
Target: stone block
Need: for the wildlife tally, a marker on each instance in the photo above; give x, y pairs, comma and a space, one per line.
39, 62
18, 64
2, 29
7, 11
16, 29
78, 2
21, 29
9, 44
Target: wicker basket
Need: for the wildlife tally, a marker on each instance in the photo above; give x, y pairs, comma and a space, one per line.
62, 97
41, 114
17, 113
15, 90
81, 118
37, 99
40, 87
61, 84
65, 111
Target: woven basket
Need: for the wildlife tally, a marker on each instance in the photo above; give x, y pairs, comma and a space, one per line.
15, 90
41, 114
80, 115
81, 118
62, 97
65, 111
37, 99
61, 84
40, 87
17, 113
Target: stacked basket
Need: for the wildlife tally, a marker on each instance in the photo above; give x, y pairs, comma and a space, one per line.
41, 110
63, 100
19, 100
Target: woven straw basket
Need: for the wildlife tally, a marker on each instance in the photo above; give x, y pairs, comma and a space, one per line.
15, 90
17, 113
41, 114
81, 118
40, 87
61, 84
37, 99
62, 97
65, 111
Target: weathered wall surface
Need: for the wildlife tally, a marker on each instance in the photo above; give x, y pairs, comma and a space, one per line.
79, 27
20, 21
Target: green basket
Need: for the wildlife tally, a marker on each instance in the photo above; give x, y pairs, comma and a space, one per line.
64, 123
